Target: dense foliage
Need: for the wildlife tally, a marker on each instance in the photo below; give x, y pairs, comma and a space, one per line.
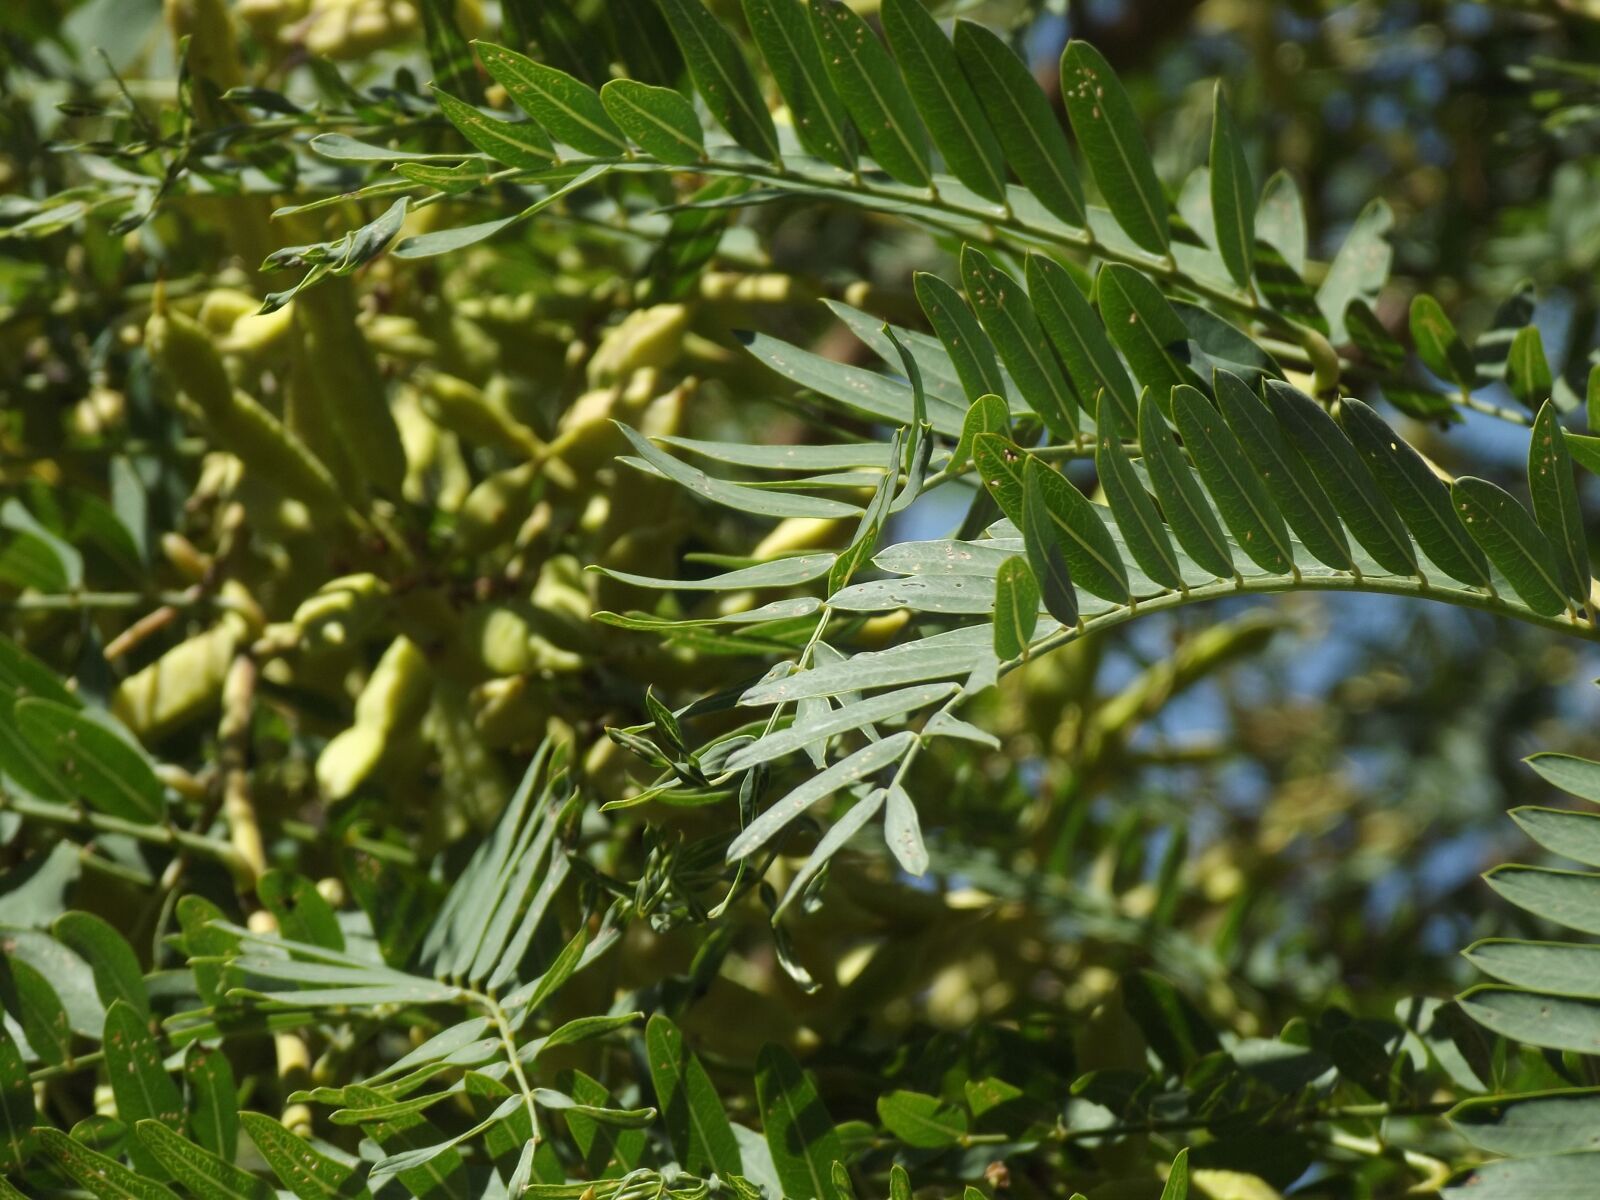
798, 599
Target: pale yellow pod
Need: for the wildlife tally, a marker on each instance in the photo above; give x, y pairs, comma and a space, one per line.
341, 611
647, 337
181, 685
394, 700
463, 409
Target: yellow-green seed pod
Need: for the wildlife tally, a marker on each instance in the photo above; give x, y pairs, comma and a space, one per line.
498, 637
393, 701
340, 612
464, 410
647, 337
185, 682
493, 510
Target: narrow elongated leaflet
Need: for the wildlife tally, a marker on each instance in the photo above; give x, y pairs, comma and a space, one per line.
1016, 609
870, 528
784, 33
17, 1112
102, 768
139, 1081
920, 1120
200, 1171
1439, 345
1233, 194
1108, 133
696, 1123
970, 350
1281, 219
1359, 270
799, 1132
1241, 497
213, 1099
1177, 1185
873, 91
1076, 524
1555, 502
568, 108
100, 1176
903, 832
987, 414
999, 464
722, 76
302, 1168
887, 706
1135, 512
1031, 138
1289, 481
1421, 496
657, 119
1008, 317
302, 913
944, 98
863, 763
1512, 541
1146, 329
734, 495
521, 144
1182, 499
1373, 338
1078, 336
1527, 370
116, 971
829, 844
1366, 511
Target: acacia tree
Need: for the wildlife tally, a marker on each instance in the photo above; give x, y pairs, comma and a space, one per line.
817, 676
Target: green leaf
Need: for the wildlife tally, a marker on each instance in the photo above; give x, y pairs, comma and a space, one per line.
1532, 1123
1177, 1185
116, 971
1233, 194
1359, 270
520, 144
302, 914
17, 1112
999, 464
1193, 523
870, 528
1439, 345
566, 107
1569, 898
788, 42
1555, 501
920, 1120
1241, 496
1421, 496
1007, 316
902, 831
213, 1099
780, 572
722, 76
1108, 133
1090, 550
1527, 370
1047, 559
1289, 481
1591, 403
1574, 835
25, 675
858, 766
1146, 329
102, 1177
1538, 1020
829, 844
733, 495
702, 1139
1281, 220
1030, 137
853, 387
887, 707
1016, 609
1177, 1032
443, 1172
303, 1169
657, 119
1558, 968
139, 1080
1514, 544
202, 1172
1135, 512
988, 414
799, 1131
872, 89
33, 1003
113, 776
970, 350
1078, 336
1368, 513
1373, 338
942, 95
202, 939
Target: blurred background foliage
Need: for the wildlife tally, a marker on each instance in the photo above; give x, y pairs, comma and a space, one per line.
1282, 806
